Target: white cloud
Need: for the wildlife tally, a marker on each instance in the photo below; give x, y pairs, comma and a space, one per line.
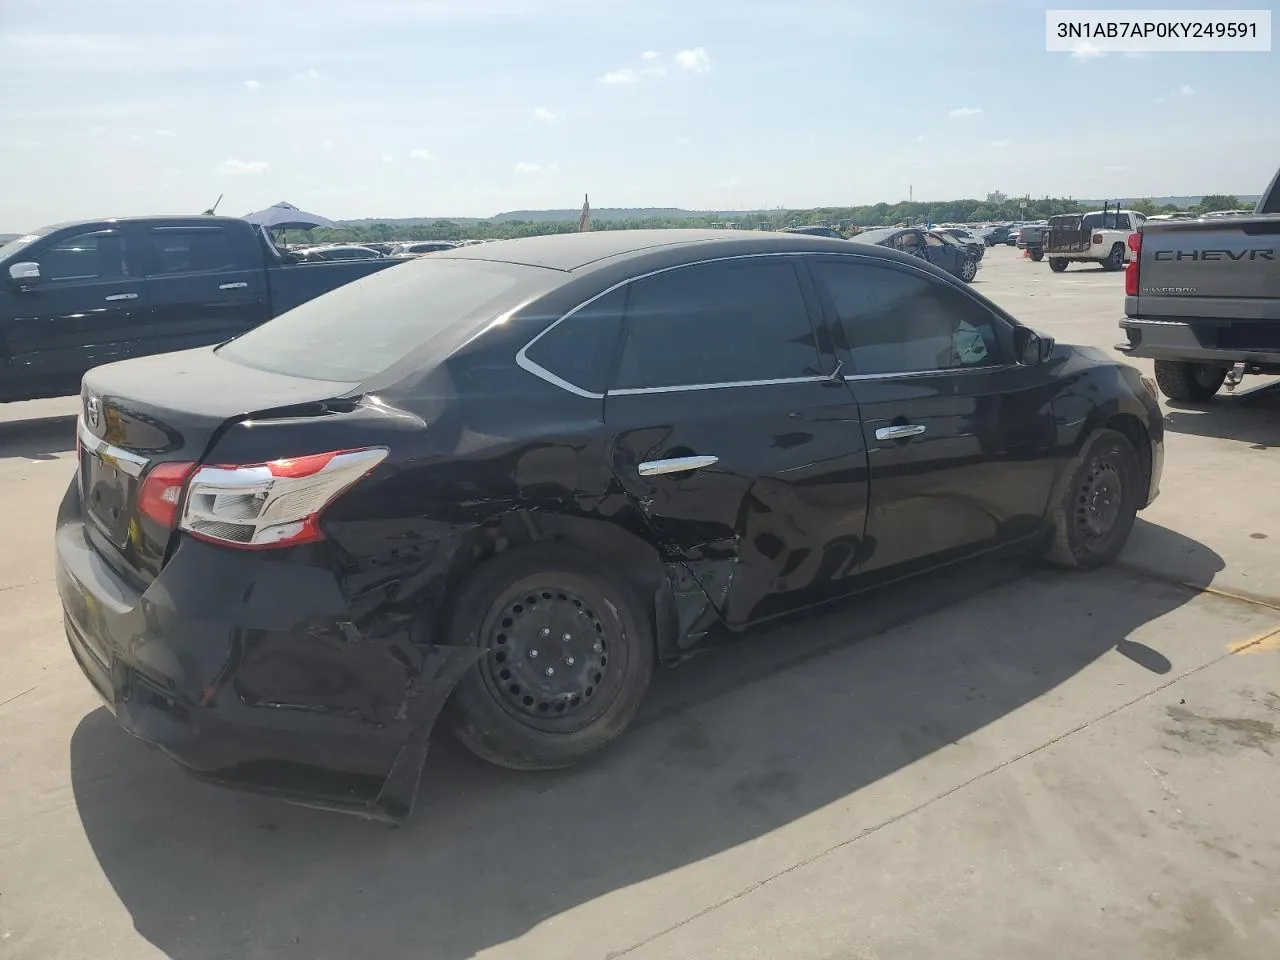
244, 166
966, 111
524, 167
1085, 50
327, 145
164, 134
424, 155
1000, 143
695, 60
1186, 91
919, 138
550, 116
388, 158
252, 85
27, 143
625, 75
649, 55
1116, 169
307, 75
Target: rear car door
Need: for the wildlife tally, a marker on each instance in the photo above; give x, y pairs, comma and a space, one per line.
206, 284
744, 456
84, 309
959, 438
942, 254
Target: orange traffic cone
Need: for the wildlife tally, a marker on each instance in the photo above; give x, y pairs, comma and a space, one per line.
1026, 253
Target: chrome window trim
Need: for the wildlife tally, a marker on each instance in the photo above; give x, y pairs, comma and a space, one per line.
913, 374
542, 373
130, 463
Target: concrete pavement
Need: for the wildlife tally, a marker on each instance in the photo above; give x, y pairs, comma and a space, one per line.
998, 761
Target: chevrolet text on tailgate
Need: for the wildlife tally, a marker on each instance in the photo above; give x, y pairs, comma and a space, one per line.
515, 477
1202, 299
77, 295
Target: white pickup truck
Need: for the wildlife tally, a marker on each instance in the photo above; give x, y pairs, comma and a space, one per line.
1097, 237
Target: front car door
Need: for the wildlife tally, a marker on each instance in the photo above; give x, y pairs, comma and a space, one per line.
205, 283
942, 254
82, 311
742, 453
959, 438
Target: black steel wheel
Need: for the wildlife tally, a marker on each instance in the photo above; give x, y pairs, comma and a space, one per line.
1057, 264
567, 655
1099, 504
1037, 254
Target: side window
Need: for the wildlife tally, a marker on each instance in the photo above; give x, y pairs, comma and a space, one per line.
932, 241
1122, 222
99, 255
193, 250
893, 321
728, 322
580, 348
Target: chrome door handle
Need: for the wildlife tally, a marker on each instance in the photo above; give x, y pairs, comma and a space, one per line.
233, 286
122, 296
901, 432
655, 468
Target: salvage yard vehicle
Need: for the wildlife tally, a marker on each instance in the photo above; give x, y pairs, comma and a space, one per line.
949, 255
500, 484
1030, 237
1202, 299
78, 295
1097, 237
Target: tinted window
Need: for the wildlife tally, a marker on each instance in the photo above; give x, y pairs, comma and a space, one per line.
194, 250
933, 241
364, 327
893, 321
727, 322
87, 256
580, 348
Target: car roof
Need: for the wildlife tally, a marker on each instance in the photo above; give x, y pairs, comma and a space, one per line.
160, 220
574, 251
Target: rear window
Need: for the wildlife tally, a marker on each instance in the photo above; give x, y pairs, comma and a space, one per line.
364, 327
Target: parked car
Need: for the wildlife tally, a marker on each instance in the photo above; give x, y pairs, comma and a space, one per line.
1202, 299
1097, 237
816, 231
1030, 237
951, 257
80, 294
294, 548
993, 236
340, 251
416, 248
976, 248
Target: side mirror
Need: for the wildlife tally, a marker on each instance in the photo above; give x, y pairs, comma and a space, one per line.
24, 272
1031, 348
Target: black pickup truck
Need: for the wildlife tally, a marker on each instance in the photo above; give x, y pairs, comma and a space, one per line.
1202, 299
77, 295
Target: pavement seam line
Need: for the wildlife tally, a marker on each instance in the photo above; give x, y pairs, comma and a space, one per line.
1197, 588
890, 821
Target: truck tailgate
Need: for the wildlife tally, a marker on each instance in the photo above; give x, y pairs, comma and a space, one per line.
1225, 270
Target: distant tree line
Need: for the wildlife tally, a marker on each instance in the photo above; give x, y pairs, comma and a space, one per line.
876, 215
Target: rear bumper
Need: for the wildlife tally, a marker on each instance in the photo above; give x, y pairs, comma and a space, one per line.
1174, 340
249, 672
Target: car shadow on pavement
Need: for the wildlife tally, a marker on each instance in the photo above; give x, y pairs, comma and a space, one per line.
732, 745
1250, 416
40, 438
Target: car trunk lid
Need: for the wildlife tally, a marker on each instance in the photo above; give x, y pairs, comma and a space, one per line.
138, 414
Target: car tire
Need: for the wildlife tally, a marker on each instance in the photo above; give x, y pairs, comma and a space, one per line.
968, 270
1057, 264
1093, 519
1037, 255
1189, 382
519, 608
1115, 259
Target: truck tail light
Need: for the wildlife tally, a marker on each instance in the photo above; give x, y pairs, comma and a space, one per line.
1097, 238
1131, 271
266, 505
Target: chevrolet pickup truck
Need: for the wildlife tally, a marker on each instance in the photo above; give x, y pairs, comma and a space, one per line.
1202, 299
78, 295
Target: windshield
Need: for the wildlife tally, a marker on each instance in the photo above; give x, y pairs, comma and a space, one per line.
364, 327
13, 246
874, 236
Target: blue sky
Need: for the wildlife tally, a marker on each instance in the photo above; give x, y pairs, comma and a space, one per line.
361, 108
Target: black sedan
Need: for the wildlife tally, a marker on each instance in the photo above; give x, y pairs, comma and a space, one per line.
501, 483
917, 242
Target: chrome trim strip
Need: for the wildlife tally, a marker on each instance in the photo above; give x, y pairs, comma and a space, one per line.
640, 391
130, 463
913, 374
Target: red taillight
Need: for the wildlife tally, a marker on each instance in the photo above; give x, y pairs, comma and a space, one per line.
1131, 271
276, 504
1097, 238
161, 493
